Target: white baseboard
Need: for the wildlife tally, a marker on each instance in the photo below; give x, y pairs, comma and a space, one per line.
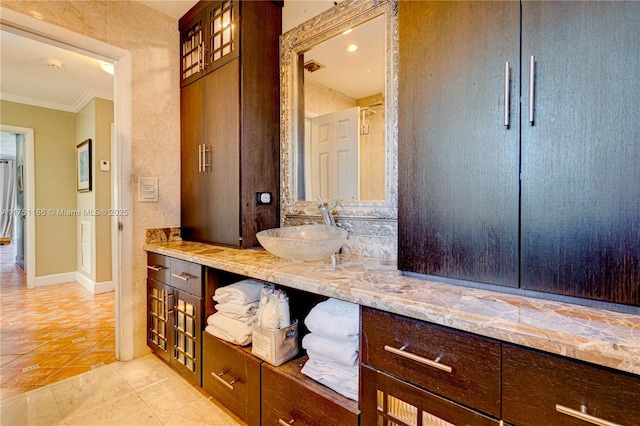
86, 282
94, 287
55, 279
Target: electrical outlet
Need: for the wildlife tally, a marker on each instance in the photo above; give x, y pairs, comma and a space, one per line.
263, 198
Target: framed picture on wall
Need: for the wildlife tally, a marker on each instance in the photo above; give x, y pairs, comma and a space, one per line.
83, 165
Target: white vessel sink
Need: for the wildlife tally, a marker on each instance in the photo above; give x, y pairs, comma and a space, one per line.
304, 242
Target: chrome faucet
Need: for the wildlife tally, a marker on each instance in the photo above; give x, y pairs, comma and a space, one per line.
325, 210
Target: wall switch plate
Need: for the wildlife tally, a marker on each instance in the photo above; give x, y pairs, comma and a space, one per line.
104, 166
263, 198
148, 189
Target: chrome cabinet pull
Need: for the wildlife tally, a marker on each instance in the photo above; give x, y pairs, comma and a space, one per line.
200, 158
205, 163
507, 94
532, 87
156, 268
169, 304
183, 276
403, 352
283, 423
219, 378
582, 415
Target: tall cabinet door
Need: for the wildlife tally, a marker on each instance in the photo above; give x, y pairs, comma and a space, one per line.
223, 154
458, 162
581, 155
193, 136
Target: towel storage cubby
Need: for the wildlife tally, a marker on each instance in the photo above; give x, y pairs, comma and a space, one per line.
175, 313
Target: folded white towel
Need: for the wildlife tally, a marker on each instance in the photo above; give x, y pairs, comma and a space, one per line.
335, 319
242, 292
323, 349
236, 311
340, 378
234, 331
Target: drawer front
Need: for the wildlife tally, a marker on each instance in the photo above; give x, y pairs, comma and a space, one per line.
187, 276
537, 387
387, 400
232, 376
447, 362
158, 267
291, 399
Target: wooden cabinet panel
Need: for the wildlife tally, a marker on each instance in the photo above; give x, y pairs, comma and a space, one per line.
158, 267
389, 401
458, 163
230, 127
474, 379
580, 174
232, 376
187, 276
535, 384
222, 173
290, 397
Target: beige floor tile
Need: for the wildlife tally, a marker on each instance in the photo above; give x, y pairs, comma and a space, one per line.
126, 411
79, 394
37, 407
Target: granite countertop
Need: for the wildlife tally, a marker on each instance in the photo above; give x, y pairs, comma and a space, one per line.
603, 337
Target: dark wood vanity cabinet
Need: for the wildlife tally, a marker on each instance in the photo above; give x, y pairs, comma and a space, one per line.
290, 397
412, 369
544, 389
230, 130
541, 192
175, 313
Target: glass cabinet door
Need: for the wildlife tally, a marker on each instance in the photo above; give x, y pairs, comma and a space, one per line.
158, 296
187, 333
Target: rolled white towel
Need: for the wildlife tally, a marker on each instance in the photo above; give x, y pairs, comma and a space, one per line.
340, 378
335, 319
323, 349
242, 292
235, 331
236, 311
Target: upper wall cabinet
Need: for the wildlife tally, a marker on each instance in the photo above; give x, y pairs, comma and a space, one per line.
229, 124
521, 172
208, 38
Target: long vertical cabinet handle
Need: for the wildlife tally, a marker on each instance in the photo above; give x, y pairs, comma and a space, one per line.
532, 86
507, 94
199, 158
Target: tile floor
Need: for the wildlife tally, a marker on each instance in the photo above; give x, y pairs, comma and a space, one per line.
144, 391
49, 333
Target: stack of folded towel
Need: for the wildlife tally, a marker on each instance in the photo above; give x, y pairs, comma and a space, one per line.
332, 346
236, 305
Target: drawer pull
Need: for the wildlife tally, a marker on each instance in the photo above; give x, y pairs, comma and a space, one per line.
582, 415
183, 276
219, 378
403, 352
283, 423
156, 268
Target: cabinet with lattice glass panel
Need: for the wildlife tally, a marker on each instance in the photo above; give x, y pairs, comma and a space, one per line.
208, 38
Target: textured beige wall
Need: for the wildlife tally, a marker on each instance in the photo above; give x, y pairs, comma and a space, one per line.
94, 122
153, 40
102, 181
54, 140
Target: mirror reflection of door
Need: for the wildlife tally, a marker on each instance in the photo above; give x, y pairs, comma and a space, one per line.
334, 146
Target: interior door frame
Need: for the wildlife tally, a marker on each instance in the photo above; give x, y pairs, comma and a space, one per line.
29, 201
121, 226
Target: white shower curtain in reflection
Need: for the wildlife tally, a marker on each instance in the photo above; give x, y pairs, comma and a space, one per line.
7, 197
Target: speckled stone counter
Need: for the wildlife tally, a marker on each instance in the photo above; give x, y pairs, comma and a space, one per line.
598, 336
